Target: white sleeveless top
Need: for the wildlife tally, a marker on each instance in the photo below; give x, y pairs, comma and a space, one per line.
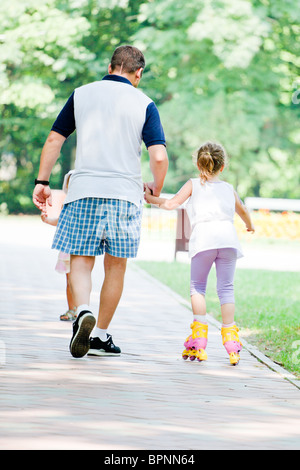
211, 210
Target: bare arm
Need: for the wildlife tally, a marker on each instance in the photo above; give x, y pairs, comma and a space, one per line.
159, 164
48, 221
49, 156
243, 212
170, 204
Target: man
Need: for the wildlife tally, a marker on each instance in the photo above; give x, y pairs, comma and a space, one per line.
103, 208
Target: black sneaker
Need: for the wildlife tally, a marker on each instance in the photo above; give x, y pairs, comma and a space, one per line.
82, 328
103, 348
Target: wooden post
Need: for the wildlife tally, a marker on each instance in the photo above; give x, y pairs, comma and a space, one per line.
183, 231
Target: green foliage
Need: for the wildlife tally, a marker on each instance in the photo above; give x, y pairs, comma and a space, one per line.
218, 69
39, 52
47, 49
225, 71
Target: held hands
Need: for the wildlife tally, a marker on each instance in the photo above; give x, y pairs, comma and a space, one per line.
150, 193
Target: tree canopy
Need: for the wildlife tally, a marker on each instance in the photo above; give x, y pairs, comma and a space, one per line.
222, 70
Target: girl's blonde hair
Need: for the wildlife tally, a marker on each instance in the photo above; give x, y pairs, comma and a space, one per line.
210, 159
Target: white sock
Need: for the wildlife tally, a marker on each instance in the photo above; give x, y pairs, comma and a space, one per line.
83, 307
229, 325
99, 333
200, 318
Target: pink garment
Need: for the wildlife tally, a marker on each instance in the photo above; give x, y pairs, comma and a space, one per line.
63, 263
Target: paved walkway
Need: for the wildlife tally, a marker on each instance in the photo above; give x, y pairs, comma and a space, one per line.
148, 398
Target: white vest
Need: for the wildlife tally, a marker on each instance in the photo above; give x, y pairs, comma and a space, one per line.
211, 209
109, 117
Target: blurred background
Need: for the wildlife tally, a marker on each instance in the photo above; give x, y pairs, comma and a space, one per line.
225, 70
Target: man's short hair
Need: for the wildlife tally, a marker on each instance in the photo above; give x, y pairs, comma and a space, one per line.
128, 58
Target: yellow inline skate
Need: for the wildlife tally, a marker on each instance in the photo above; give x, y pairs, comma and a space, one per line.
232, 343
196, 343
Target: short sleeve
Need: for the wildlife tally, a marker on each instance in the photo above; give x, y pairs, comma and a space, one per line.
65, 121
153, 133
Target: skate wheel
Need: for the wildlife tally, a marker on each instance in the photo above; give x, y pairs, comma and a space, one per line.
192, 358
185, 354
202, 355
234, 358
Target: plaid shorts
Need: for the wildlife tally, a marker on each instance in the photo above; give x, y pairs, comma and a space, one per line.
92, 226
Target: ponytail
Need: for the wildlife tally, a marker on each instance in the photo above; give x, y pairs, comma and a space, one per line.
210, 159
206, 165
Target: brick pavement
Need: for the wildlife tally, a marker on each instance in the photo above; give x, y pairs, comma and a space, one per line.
148, 398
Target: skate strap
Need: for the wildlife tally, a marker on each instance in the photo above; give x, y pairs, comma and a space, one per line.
230, 333
199, 330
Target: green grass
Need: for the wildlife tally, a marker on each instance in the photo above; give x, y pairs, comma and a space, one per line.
267, 306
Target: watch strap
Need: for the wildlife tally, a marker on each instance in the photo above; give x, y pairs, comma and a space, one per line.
45, 183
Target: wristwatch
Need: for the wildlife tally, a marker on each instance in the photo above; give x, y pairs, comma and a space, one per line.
45, 183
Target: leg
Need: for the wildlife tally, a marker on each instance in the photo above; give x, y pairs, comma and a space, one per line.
198, 304
122, 234
114, 269
112, 288
200, 267
70, 315
227, 311
81, 286
196, 343
81, 278
225, 268
71, 303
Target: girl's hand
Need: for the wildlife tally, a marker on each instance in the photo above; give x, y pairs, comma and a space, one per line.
251, 228
48, 221
44, 218
148, 196
147, 190
168, 204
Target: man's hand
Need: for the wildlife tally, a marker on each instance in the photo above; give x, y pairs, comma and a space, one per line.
151, 188
41, 194
50, 154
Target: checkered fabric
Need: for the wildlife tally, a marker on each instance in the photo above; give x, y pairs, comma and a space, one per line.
92, 226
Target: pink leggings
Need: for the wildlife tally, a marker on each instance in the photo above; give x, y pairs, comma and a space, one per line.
225, 260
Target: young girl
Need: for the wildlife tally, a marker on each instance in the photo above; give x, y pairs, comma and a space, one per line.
211, 209
63, 262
